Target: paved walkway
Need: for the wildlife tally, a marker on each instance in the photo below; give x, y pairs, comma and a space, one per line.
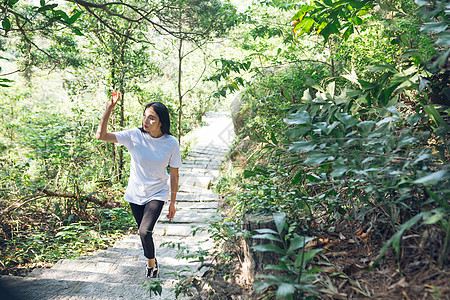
118, 272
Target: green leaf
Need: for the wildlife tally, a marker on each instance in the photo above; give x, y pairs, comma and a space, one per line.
348, 32
442, 203
59, 14
79, 33
388, 120
298, 242
346, 119
331, 87
281, 267
366, 126
300, 117
357, 20
301, 13
261, 285
269, 248
266, 237
313, 177
352, 77
393, 110
297, 178
280, 221
12, 2
304, 26
432, 178
395, 239
303, 258
303, 146
6, 24
47, 7
444, 40
316, 158
74, 17
339, 168
266, 230
273, 138
435, 217
434, 27
285, 291
380, 68
297, 132
421, 2
434, 114
331, 127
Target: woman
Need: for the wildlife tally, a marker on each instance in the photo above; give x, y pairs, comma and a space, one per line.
152, 148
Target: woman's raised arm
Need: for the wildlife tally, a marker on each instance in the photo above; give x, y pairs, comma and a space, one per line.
102, 130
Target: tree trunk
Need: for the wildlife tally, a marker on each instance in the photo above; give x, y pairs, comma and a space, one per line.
330, 45
113, 116
121, 107
121, 124
254, 262
180, 96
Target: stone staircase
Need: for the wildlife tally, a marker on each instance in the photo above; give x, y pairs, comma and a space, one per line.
119, 271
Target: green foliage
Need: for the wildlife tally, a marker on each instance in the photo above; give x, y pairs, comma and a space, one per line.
336, 139
436, 16
227, 67
153, 287
328, 18
370, 140
50, 242
292, 277
429, 217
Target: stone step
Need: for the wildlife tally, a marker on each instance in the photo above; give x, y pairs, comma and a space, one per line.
196, 181
214, 173
191, 215
112, 256
196, 205
132, 244
179, 230
203, 196
59, 289
200, 191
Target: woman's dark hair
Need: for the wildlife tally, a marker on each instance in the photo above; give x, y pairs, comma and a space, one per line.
163, 114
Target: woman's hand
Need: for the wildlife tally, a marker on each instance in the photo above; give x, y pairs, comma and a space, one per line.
172, 209
115, 95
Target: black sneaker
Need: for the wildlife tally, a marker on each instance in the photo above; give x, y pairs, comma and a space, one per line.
153, 272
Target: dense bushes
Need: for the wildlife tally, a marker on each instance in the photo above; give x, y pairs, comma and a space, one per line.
366, 147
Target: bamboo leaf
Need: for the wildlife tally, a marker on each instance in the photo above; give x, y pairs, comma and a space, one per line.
269, 248
280, 221
267, 237
432, 178
285, 291
303, 146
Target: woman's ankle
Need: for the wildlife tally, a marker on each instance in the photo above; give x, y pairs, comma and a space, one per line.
150, 262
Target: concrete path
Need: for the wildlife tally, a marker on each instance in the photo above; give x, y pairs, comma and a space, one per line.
118, 272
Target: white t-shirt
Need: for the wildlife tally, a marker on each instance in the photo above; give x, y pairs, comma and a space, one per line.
149, 160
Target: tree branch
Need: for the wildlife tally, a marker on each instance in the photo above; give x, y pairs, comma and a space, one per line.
30, 41
73, 196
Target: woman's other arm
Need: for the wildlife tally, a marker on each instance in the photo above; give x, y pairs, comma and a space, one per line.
102, 130
173, 191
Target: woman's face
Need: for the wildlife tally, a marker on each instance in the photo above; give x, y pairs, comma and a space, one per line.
151, 123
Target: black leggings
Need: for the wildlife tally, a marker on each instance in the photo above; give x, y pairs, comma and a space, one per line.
146, 217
